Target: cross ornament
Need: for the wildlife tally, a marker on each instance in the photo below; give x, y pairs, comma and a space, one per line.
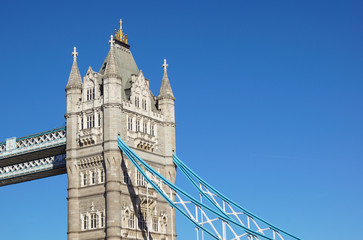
111, 42
75, 54
165, 65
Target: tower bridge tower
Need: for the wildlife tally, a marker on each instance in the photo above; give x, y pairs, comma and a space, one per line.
107, 197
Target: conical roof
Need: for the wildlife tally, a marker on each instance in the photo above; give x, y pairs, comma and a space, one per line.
165, 88
74, 80
111, 67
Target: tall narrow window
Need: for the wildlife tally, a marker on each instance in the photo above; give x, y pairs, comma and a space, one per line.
137, 125
102, 219
81, 123
90, 121
93, 221
129, 122
152, 130
99, 119
155, 224
101, 176
131, 222
142, 221
84, 179
140, 180
126, 177
90, 94
84, 224
144, 104
137, 101
144, 128
93, 177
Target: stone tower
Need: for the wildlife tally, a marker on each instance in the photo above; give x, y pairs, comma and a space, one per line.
107, 197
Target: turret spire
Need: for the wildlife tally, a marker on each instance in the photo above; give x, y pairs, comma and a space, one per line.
74, 80
165, 88
111, 67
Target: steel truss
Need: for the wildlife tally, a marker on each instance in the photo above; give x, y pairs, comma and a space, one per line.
218, 216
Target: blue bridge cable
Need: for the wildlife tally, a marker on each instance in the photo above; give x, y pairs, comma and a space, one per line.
187, 171
224, 217
130, 154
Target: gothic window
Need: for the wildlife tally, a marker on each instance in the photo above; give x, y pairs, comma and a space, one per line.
131, 222
144, 127
137, 125
137, 101
93, 177
155, 224
90, 94
144, 104
101, 176
126, 177
90, 121
152, 130
140, 180
84, 179
93, 221
99, 119
129, 123
102, 219
84, 222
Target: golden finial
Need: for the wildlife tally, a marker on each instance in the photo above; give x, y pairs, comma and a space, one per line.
119, 35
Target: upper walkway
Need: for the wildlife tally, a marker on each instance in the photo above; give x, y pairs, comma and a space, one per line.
32, 147
35, 156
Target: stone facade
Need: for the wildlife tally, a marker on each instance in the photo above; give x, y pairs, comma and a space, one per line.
107, 197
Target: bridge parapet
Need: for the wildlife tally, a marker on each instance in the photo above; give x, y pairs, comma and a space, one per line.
32, 147
47, 139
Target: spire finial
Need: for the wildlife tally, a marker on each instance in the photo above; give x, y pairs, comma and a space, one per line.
111, 42
119, 35
75, 54
165, 65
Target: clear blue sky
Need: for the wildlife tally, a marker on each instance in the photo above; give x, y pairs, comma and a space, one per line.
268, 101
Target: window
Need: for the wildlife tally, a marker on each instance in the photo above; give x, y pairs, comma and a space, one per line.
126, 177
102, 219
101, 176
140, 180
84, 180
155, 224
144, 104
84, 224
93, 221
142, 222
90, 121
152, 133
137, 125
93, 177
131, 223
82, 123
129, 123
99, 119
144, 128
137, 101
90, 94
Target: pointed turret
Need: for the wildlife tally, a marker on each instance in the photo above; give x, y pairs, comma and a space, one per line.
75, 80
165, 88
111, 70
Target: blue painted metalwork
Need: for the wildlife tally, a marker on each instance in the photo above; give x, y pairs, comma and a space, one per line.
32, 167
190, 174
138, 162
36, 142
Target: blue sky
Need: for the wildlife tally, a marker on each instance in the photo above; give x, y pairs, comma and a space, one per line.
268, 101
